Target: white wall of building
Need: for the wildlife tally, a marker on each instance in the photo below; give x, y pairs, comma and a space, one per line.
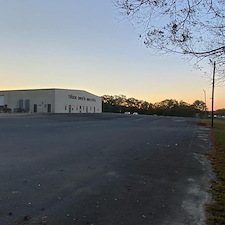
51, 100
75, 101
29, 100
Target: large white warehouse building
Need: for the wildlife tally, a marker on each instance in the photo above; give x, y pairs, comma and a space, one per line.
51, 101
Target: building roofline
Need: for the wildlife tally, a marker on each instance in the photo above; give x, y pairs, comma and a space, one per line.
40, 89
47, 89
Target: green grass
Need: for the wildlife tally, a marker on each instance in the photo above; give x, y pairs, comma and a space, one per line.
216, 208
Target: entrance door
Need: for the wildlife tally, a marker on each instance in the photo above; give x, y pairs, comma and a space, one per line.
35, 108
49, 108
69, 108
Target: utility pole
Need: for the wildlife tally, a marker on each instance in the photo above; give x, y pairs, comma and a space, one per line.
205, 101
213, 85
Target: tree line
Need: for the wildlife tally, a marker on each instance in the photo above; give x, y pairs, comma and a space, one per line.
167, 107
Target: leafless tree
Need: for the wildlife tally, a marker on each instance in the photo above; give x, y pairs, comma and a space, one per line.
194, 28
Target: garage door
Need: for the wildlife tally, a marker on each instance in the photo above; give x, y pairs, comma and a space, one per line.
1, 100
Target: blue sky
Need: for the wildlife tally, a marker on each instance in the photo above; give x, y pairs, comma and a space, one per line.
87, 45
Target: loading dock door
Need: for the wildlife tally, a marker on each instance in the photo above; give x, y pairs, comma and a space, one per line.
2, 100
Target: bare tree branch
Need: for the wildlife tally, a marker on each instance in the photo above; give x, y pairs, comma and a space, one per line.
195, 28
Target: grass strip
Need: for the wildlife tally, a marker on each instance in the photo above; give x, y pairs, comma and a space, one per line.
216, 208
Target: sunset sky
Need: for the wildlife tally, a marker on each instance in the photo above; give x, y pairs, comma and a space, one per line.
87, 45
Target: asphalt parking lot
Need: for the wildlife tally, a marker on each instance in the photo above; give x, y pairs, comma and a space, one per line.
102, 169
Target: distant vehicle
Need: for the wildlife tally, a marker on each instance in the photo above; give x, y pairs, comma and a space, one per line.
127, 113
135, 113
209, 116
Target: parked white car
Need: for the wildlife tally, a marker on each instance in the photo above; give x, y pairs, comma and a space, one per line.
127, 113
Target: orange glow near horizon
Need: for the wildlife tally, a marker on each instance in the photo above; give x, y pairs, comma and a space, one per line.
218, 104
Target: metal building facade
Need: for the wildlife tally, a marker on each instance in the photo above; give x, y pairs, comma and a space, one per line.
51, 101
